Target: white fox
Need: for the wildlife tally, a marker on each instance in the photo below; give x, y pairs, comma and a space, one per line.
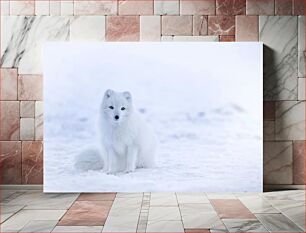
126, 142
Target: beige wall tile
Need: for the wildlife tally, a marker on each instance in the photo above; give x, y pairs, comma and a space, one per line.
42, 7
27, 129
27, 109
150, 28
177, 25
89, 28
166, 7
135, 7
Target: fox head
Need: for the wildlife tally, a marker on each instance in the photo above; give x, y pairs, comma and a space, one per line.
117, 106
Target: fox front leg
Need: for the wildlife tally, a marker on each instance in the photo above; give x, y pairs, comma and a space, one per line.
131, 159
112, 162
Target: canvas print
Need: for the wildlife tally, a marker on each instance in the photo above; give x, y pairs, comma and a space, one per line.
153, 117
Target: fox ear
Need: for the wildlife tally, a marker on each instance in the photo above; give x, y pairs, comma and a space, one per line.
108, 93
127, 95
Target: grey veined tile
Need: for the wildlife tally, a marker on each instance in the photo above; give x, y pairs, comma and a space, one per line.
294, 210
39, 200
242, 225
23, 217
294, 195
258, 205
278, 223
278, 162
9, 210
279, 35
290, 120
39, 226
301, 46
78, 229
23, 37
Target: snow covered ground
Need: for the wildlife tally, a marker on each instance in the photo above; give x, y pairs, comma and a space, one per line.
204, 101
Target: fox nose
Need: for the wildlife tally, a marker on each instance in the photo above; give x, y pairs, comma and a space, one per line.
117, 117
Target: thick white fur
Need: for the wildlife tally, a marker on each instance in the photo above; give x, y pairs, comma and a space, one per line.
128, 142
124, 144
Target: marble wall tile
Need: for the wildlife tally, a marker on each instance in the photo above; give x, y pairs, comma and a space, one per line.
298, 7
298, 162
32, 162
278, 163
5, 7
301, 88
200, 25
135, 7
290, 120
283, 7
199, 7
246, 28
27, 129
166, 7
9, 120
260, 7
150, 28
122, 28
67, 7
269, 130
223, 38
230, 7
8, 87
23, 38
22, 7
10, 162
301, 46
30, 87
176, 25
107, 7
55, 8
42, 7
87, 28
27, 108
221, 25
279, 35
269, 110
39, 120
190, 38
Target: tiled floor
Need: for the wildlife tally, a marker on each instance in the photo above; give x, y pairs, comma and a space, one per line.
33, 211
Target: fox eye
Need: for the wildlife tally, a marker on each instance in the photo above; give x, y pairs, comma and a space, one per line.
111, 107
123, 108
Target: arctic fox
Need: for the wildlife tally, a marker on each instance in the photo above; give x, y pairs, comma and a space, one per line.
126, 142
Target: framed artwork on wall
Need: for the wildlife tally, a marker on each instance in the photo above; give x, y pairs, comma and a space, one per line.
148, 117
